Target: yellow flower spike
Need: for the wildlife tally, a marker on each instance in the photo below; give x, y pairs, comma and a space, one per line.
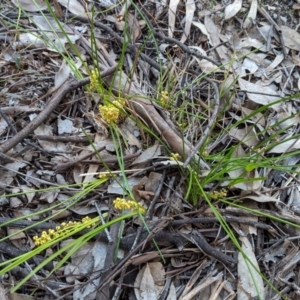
103, 176
164, 98
109, 113
175, 156
119, 102
94, 77
51, 231
218, 194
86, 219
205, 153
121, 204
60, 231
142, 210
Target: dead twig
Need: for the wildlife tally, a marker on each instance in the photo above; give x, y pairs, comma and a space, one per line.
185, 48
64, 139
113, 160
262, 212
207, 249
69, 164
126, 261
13, 129
52, 104
104, 293
167, 238
131, 49
229, 219
5, 159
150, 210
13, 251
5, 221
209, 125
265, 14
109, 238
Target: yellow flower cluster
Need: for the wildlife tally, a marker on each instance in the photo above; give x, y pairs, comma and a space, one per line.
175, 156
205, 153
59, 231
111, 112
121, 203
103, 176
218, 194
94, 79
164, 98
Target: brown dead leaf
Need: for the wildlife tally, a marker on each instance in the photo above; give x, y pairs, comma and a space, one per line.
153, 181
251, 17
247, 135
205, 65
146, 195
149, 281
291, 38
257, 196
262, 98
61, 76
232, 9
56, 39
2, 294
134, 26
74, 7
11, 231
288, 145
139, 193
246, 288
147, 156
49, 145
190, 8
213, 30
30, 5
246, 229
172, 16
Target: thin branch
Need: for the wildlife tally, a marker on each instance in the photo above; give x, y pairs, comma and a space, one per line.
70, 85
209, 125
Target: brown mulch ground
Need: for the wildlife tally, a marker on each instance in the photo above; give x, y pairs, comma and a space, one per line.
218, 65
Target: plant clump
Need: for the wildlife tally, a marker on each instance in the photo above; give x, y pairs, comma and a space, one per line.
111, 112
60, 231
123, 204
218, 194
